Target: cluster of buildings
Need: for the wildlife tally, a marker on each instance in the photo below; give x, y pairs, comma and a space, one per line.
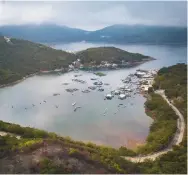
7, 39
134, 83
146, 78
103, 65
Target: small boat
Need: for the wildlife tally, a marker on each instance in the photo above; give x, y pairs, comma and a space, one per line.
122, 96
44, 101
100, 89
105, 110
55, 94
109, 96
73, 104
76, 108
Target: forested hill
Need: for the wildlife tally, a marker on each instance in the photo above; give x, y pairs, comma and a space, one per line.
110, 54
27, 57
19, 58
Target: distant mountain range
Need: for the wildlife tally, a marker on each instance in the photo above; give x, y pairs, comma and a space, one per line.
120, 34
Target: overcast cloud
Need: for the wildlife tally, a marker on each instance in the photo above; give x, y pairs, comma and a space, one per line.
94, 15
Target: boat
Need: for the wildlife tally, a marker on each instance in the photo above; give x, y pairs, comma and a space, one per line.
76, 108
101, 89
122, 96
93, 78
86, 91
116, 92
55, 94
109, 96
92, 87
73, 104
105, 110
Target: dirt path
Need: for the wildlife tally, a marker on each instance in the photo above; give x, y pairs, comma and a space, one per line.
178, 136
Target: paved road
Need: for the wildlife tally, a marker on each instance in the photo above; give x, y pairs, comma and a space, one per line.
178, 136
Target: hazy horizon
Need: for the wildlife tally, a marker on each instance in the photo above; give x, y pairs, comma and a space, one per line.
94, 15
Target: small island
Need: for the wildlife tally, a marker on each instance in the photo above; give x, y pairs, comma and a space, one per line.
102, 58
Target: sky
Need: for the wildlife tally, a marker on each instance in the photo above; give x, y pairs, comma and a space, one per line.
94, 15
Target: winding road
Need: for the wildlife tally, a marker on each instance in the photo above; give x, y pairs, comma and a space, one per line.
177, 139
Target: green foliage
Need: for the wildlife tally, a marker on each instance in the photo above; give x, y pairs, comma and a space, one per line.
6, 144
72, 151
7, 76
100, 74
21, 58
174, 80
25, 132
164, 126
47, 166
123, 151
110, 54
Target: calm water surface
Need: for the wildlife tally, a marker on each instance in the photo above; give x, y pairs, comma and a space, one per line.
129, 126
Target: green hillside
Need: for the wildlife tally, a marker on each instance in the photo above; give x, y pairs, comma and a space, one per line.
110, 54
19, 58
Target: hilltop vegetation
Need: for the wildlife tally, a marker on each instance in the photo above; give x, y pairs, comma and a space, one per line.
110, 54
19, 58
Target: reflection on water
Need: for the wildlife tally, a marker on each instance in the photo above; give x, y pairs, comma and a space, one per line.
128, 126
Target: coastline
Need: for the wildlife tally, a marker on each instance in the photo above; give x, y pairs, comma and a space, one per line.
118, 80
66, 71
18, 81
